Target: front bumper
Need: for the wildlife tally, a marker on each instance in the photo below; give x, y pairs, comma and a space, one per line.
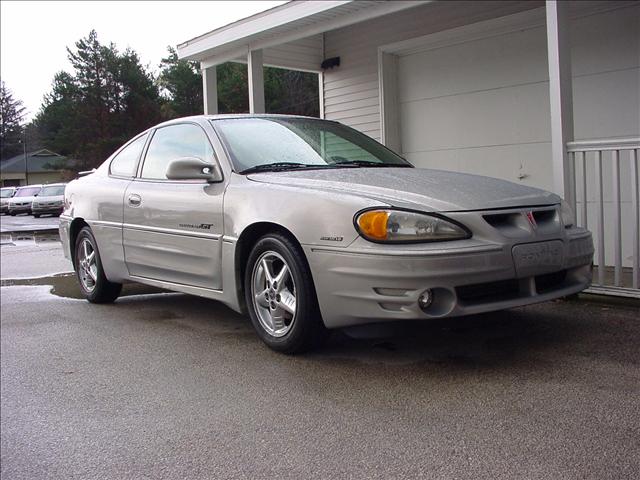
355, 287
26, 208
46, 209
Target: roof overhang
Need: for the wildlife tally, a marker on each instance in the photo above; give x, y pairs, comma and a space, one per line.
286, 23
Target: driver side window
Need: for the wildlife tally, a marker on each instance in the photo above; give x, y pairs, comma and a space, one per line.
171, 143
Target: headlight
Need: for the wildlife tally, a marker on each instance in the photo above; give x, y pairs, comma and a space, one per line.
566, 212
398, 226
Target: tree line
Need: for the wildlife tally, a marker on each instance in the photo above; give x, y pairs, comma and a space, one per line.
109, 96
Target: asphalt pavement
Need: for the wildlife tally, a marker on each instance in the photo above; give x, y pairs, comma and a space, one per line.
172, 386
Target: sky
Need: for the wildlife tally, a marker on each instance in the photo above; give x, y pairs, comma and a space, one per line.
34, 35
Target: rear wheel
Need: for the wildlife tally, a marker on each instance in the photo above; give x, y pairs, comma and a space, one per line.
281, 297
93, 283
36, 215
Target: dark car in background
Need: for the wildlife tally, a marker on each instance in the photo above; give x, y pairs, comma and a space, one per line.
49, 200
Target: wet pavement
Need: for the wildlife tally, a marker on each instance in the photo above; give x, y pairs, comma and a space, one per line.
165, 385
27, 223
31, 254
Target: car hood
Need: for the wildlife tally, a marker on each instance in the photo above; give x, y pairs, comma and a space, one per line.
22, 199
53, 198
436, 190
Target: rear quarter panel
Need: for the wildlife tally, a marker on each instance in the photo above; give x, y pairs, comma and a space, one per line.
98, 200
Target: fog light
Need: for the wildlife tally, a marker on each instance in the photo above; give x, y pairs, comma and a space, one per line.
425, 299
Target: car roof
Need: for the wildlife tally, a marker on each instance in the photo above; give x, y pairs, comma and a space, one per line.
203, 118
30, 186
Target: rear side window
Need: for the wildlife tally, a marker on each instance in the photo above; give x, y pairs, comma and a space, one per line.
124, 163
171, 143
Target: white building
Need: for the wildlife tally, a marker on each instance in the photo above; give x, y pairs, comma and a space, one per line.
510, 89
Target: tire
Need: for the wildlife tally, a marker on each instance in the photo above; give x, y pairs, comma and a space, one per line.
13, 214
271, 311
93, 284
36, 215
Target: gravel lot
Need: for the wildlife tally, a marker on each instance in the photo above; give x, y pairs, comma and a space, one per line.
171, 386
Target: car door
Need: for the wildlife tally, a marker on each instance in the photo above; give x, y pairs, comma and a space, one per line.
172, 230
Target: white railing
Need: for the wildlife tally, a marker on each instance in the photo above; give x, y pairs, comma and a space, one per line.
606, 200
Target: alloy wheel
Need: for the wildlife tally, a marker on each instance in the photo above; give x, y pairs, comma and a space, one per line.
274, 294
87, 265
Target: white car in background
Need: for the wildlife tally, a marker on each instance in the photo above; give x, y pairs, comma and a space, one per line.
23, 199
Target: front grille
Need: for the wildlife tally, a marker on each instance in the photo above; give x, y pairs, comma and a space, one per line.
509, 223
489, 292
550, 281
504, 290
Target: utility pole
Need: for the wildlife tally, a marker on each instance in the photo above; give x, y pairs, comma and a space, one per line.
26, 162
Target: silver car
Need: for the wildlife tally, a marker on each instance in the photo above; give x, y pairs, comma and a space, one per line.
5, 194
49, 200
308, 225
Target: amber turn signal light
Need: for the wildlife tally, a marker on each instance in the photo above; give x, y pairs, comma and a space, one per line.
373, 224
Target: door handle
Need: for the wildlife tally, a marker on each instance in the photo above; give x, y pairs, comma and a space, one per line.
134, 200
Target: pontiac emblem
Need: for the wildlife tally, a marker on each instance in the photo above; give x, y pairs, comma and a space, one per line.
532, 220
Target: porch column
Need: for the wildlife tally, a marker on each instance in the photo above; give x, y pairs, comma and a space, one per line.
210, 90
256, 81
560, 94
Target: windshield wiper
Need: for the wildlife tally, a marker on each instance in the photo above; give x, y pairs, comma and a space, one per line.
273, 167
366, 163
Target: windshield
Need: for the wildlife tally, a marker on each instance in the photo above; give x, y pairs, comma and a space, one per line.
6, 192
52, 191
27, 192
300, 142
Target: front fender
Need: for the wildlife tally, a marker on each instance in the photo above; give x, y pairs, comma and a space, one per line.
314, 217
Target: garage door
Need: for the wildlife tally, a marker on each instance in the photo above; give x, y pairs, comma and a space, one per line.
480, 107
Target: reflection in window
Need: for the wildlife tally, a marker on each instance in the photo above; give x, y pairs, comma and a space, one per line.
174, 142
125, 162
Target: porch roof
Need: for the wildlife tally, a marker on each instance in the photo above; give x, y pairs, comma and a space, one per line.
286, 23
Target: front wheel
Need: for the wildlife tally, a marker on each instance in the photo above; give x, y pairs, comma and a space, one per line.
36, 215
93, 283
281, 297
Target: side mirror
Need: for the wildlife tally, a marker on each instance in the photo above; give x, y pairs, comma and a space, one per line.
192, 168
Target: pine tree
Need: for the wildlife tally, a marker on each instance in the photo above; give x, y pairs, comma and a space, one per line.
107, 99
12, 114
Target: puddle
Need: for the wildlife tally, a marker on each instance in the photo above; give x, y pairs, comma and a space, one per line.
27, 239
65, 285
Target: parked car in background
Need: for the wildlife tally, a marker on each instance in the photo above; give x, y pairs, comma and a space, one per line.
307, 225
49, 200
5, 194
23, 198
